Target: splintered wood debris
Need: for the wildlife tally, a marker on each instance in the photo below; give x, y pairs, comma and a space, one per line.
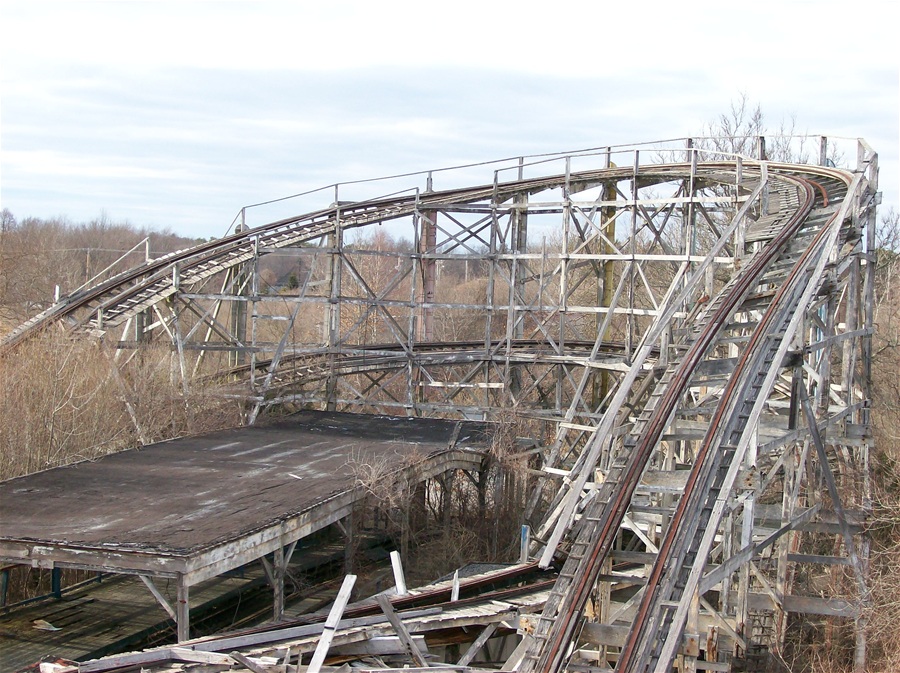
392, 638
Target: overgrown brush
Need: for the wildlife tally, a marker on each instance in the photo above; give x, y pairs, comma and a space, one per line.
65, 399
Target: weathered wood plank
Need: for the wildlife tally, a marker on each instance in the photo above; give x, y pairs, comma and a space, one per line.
334, 618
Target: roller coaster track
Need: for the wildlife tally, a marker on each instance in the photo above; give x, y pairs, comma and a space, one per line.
110, 303
718, 371
810, 223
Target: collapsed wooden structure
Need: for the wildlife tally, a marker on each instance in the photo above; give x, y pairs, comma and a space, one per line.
690, 328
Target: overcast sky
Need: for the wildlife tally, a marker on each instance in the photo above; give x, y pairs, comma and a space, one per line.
177, 114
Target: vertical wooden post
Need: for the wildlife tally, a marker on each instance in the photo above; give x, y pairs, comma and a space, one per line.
278, 572
4, 586
524, 543
489, 295
183, 610
604, 600
350, 548
740, 231
868, 163
859, 654
794, 408
253, 300
399, 578
518, 272
179, 341
447, 482
56, 582
607, 280
564, 271
689, 216
141, 321
632, 265
427, 248
481, 487
333, 312
692, 627
238, 307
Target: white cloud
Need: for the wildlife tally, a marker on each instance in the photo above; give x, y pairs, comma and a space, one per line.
577, 38
182, 112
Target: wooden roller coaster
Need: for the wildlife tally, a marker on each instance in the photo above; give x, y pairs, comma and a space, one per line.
691, 329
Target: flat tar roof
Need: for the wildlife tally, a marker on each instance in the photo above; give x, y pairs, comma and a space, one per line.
184, 496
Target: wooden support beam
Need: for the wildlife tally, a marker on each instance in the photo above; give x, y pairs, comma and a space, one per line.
249, 663
479, 642
298, 632
515, 659
385, 603
378, 645
859, 571
723, 624
268, 570
746, 554
138, 660
159, 597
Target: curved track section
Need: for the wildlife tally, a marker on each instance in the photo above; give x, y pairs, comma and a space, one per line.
652, 644
111, 303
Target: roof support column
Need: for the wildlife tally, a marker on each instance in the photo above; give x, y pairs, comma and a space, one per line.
278, 573
183, 610
348, 530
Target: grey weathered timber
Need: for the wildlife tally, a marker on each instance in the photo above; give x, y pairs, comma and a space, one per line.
477, 644
411, 648
334, 618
